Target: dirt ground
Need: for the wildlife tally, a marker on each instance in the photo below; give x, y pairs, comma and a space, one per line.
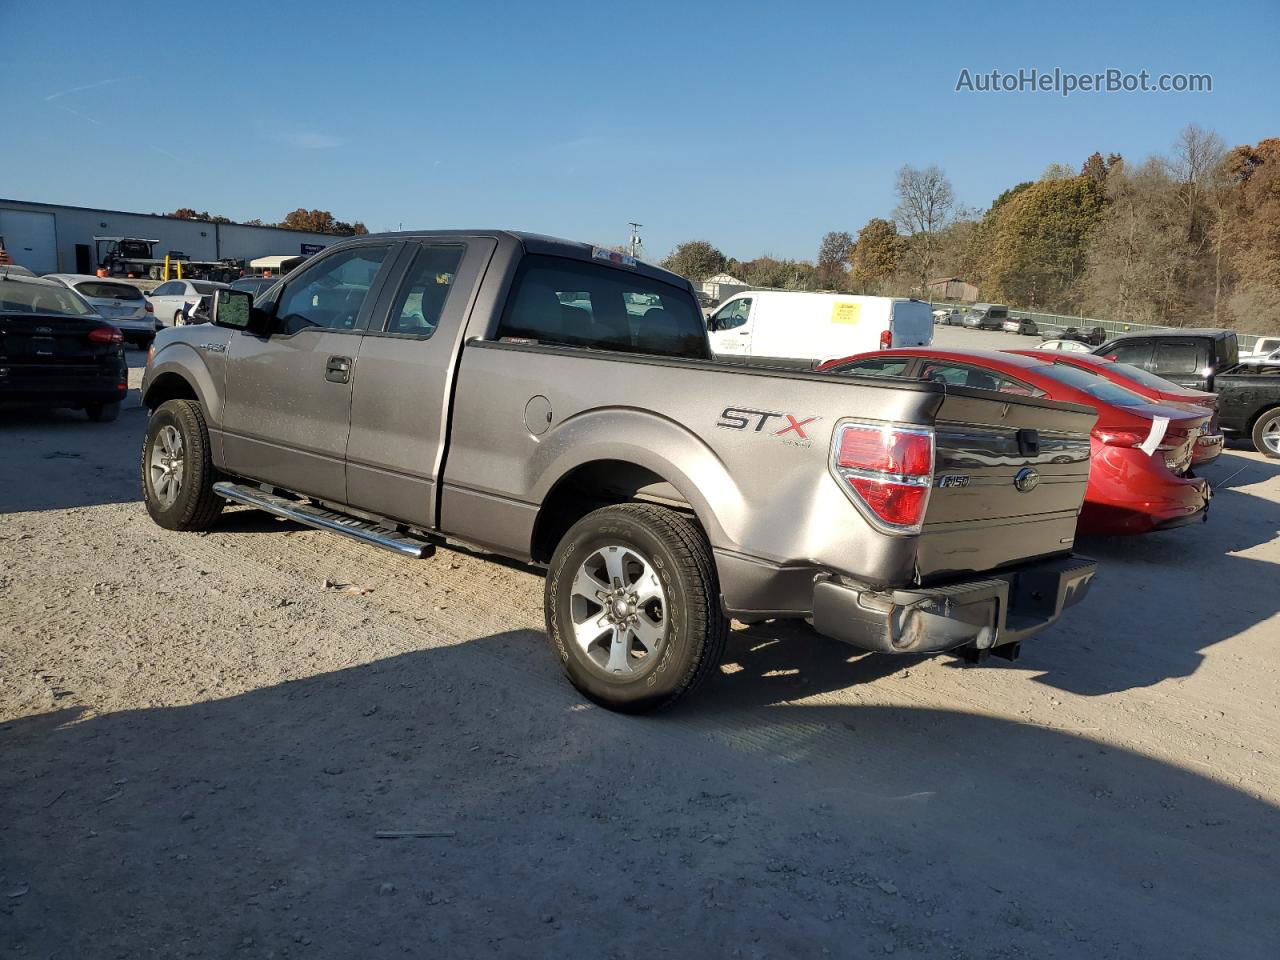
201, 735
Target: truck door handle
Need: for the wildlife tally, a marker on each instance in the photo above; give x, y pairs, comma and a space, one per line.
338, 370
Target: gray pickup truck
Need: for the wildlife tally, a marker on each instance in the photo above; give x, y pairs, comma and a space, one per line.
557, 404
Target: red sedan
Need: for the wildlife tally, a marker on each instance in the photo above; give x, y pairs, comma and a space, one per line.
1139, 474
1210, 442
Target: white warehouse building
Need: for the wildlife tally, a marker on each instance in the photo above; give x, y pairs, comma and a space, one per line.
51, 238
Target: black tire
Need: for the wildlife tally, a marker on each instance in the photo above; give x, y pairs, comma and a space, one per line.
693, 626
194, 506
1266, 434
102, 412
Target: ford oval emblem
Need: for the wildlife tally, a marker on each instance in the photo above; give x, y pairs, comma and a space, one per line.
1026, 480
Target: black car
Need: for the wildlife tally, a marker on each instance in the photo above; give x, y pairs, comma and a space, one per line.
55, 351
1093, 337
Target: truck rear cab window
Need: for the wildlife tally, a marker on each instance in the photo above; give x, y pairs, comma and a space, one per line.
417, 308
556, 300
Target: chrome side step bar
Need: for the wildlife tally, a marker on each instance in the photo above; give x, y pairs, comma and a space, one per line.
321, 519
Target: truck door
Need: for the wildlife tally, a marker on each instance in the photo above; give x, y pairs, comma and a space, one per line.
288, 395
730, 328
1185, 362
400, 404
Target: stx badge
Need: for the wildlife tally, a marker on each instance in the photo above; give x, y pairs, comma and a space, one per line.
785, 426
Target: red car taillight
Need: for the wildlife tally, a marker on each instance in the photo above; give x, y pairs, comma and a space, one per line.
150, 308
887, 469
886, 339
105, 335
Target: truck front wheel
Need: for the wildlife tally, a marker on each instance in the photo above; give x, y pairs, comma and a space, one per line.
177, 469
633, 608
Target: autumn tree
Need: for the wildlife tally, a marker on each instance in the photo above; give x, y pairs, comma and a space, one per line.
1252, 231
925, 201
695, 260
1035, 244
832, 268
876, 256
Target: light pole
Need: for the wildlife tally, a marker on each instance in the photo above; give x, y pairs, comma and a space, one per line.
635, 243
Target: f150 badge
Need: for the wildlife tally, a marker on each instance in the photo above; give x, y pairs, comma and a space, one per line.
951, 480
787, 427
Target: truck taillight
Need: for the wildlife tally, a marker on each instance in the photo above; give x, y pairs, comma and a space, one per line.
887, 470
886, 339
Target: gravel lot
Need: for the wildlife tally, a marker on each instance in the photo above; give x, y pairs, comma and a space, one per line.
200, 736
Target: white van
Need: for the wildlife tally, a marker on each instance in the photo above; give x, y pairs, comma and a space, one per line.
817, 327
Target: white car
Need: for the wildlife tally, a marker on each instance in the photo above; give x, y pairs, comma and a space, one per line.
121, 304
1258, 359
1263, 347
1069, 346
173, 299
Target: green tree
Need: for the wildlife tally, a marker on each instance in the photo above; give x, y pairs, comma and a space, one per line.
1035, 243
695, 260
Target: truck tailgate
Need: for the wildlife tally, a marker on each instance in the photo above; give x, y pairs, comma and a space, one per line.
1010, 468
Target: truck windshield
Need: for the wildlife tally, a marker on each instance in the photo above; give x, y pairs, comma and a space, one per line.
561, 301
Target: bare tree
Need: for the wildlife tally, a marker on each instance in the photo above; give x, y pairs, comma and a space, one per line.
925, 202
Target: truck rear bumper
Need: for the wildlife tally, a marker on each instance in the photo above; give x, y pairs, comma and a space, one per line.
1002, 608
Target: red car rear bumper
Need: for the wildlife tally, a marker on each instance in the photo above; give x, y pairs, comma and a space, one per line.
1130, 492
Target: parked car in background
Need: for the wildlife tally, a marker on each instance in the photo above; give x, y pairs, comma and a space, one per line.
986, 316
372, 394
15, 269
949, 317
55, 351
174, 299
254, 285
1263, 347
1092, 337
1023, 325
804, 328
120, 304
1189, 357
1066, 346
1210, 442
1249, 406
1271, 359
1141, 451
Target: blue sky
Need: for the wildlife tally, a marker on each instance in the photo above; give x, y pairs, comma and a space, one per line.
758, 126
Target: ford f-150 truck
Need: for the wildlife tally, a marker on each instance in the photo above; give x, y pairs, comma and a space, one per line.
558, 404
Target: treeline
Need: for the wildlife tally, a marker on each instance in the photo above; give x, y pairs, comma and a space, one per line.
1191, 237
313, 221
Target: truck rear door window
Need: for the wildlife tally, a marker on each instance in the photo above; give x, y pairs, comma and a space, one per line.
1179, 356
416, 311
556, 300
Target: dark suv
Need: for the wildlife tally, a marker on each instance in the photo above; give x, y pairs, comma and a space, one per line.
1190, 357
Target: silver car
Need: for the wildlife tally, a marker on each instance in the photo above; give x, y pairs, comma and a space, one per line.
120, 304
175, 299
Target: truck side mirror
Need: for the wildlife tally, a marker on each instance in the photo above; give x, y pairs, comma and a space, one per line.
234, 309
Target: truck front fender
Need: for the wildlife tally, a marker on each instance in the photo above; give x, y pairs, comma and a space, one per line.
177, 364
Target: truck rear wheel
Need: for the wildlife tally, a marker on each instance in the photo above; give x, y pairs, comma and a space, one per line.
633, 607
177, 470
1266, 434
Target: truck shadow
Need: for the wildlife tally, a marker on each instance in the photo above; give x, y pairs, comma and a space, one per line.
248, 824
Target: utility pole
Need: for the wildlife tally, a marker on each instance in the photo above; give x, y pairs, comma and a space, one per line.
635, 244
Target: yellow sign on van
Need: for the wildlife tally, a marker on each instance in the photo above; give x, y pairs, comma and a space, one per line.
845, 312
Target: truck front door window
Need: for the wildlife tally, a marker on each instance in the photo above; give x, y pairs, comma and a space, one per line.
331, 293
732, 315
